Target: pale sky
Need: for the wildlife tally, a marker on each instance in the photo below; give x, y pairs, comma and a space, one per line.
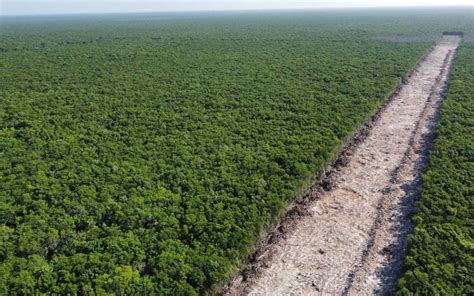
33, 7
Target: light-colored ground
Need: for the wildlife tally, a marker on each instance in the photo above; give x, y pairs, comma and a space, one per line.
353, 241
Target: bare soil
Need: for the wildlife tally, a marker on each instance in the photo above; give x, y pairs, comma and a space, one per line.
348, 235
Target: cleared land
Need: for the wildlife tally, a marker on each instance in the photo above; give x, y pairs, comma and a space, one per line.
352, 240
440, 256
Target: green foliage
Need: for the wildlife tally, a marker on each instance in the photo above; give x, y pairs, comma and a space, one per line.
440, 258
144, 154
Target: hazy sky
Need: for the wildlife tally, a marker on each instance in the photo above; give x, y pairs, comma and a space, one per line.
20, 7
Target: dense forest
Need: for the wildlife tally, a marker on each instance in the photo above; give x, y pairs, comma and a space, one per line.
440, 258
145, 154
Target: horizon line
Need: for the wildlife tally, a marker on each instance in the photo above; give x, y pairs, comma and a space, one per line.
237, 10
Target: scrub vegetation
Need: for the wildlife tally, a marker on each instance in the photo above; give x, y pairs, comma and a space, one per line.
145, 154
440, 256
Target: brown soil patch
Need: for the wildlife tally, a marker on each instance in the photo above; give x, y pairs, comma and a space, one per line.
347, 235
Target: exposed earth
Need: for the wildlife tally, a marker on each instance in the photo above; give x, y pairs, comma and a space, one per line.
351, 238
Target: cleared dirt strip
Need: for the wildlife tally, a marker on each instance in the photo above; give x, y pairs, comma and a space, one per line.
351, 237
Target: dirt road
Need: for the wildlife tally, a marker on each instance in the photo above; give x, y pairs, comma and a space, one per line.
353, 239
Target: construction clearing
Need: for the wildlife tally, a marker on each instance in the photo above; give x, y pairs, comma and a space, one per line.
351, 236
